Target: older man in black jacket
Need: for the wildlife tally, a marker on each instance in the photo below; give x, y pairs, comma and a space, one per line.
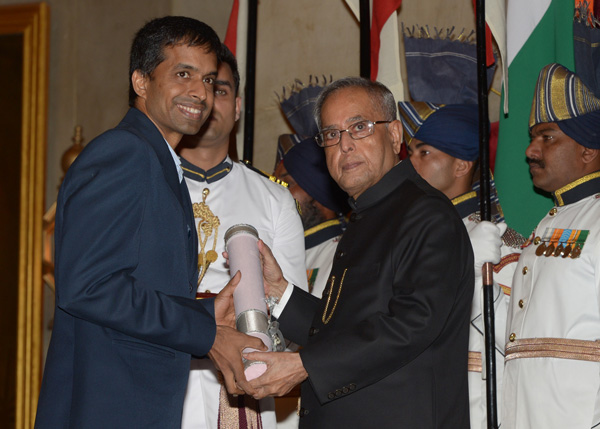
386, 346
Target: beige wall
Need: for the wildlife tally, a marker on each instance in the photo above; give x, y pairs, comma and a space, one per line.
89, 48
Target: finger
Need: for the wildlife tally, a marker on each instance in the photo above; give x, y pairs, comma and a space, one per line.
260, 356
264, 249
245, 385
255, 343
502, 227
232, 284
231, 385
260, 393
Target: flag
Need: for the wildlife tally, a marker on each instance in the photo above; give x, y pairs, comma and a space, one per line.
538, 32
236, 40
495, 18
385, 44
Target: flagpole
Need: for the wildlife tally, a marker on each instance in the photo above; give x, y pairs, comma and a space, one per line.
365, 39
485, 211
250, 81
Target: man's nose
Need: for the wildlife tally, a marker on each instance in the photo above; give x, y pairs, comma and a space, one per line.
347, 143
198, 90
533, 150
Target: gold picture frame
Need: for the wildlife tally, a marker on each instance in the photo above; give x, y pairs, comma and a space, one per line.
29, 25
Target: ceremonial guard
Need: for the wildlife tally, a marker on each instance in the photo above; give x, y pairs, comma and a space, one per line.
448, 161
225, 193
441, 129
552, 373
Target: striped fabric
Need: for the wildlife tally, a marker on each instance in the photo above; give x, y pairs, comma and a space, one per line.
560, 95
413, 115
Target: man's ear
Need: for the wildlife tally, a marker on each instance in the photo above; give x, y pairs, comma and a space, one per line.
395, 130
238, 107
139, 81
590, 155
462, 167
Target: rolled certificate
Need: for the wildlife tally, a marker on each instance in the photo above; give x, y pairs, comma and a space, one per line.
241, 243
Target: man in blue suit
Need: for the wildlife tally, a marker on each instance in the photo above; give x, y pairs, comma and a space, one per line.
126, 321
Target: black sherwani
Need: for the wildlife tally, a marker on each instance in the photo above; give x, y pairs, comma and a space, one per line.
393, 353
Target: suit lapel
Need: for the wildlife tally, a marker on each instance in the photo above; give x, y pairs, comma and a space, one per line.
148, 131
138, 123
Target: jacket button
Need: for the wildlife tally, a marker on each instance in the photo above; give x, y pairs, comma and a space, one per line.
312, 331
521, 303
338, 392
352, 386
553, 211
525, 270
191, 287
302, 412
537, 240
345, 390
331, 395
353, 217
512, 337
340, 254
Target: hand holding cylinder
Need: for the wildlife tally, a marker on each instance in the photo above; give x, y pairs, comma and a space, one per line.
241, 242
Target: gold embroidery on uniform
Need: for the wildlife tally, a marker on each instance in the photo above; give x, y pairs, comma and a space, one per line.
558, 193
208, 223
464, 197
321, 226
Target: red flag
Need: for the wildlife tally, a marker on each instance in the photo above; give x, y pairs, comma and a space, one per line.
382, 10
489, 50
231, 35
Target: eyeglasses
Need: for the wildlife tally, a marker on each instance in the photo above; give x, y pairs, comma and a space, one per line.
358, 130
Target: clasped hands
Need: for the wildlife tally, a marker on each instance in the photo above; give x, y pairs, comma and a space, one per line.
284, 369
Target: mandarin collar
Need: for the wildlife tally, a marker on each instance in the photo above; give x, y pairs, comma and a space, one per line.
577, 190
388, 184
322, 232
194, 172
466, 204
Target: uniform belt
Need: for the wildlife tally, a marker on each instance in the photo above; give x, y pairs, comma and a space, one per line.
561, 348
204, 295
474, 362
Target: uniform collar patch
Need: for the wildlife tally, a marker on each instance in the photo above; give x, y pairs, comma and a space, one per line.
577, 190
212, 175
323, 232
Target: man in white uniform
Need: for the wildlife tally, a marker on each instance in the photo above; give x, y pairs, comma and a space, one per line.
552, 373
225, 193
448, 161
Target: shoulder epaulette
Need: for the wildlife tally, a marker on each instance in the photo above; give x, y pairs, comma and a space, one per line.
262, 173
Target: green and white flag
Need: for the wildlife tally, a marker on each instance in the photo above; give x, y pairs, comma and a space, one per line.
538, 32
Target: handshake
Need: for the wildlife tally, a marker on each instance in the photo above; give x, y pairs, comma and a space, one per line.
284, 369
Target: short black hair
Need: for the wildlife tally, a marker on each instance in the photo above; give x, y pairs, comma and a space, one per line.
380, 95
227, 57
147, 49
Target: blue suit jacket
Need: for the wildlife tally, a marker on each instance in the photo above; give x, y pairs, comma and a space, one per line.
126, 318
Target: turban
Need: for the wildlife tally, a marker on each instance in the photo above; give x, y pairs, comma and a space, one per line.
305, 162
562, 97
451, 128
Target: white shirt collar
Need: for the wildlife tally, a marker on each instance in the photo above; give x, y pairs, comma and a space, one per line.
176, 160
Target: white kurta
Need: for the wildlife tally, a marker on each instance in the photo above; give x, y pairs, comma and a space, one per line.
556, 297
503, 275
242, 196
